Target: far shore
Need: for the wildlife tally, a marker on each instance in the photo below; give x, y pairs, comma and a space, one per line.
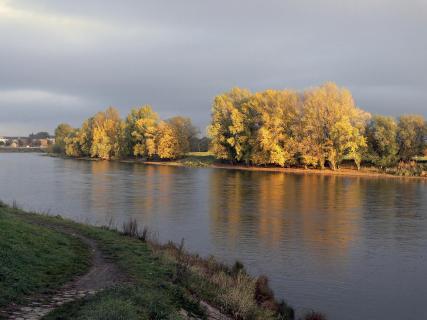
364, 172
195, 160
21, 149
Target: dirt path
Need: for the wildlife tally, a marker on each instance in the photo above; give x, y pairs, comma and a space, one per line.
101, 275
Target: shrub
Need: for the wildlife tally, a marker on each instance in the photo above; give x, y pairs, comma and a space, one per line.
131, 229
237, 268
231, 289
411, 168
265, 298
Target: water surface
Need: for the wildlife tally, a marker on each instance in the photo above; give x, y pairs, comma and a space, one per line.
351, 247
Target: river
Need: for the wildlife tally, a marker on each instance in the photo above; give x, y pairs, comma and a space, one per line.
350, 247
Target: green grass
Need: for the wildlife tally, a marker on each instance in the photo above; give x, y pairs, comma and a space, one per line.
121, 303
165, 281
153, 293
34, 259
198, 159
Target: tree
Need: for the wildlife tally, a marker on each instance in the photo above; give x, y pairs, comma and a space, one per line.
84, 137
61, 132
39, 135
229, 131
72, 144
277, 113
411, 136
200, 144
79, 142
168, 146
185, 132
107, 135
141, 128
382, 143
332, 127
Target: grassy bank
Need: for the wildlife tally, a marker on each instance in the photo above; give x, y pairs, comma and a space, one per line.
166, 281
35, 259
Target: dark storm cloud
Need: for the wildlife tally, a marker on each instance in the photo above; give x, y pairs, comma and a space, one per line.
65, 60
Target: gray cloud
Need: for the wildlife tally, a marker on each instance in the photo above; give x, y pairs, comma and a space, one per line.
65, 60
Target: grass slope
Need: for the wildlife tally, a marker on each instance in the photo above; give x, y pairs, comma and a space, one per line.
166, 281
35, 259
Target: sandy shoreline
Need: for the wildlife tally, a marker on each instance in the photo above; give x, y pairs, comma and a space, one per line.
343, 172
340, 172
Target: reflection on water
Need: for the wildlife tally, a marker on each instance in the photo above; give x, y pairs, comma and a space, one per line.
274, 207
355, 248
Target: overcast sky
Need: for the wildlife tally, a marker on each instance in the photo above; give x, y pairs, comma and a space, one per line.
62, 61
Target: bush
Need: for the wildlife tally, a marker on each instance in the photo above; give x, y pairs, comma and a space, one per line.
407, 169
131, 229
229, 288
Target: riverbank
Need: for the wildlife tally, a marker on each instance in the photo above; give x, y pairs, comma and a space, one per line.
34, 259
157, 281
206, 160
21, 149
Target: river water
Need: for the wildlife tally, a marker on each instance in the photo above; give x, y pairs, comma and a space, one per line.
350, 247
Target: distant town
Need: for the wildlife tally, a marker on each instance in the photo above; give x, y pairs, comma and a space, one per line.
37, 140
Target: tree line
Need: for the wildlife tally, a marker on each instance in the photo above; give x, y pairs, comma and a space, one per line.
141, 134
318, 127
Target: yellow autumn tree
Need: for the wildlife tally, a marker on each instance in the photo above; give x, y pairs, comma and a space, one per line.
277, 113
78, 143
141, 128
332, 127
62, 131
230, 129
72, 146
167, 144
107, 135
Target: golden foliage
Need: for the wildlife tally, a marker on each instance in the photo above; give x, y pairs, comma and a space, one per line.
142, 127
166, 141
282, 127
319, 126
107, 135
331, 127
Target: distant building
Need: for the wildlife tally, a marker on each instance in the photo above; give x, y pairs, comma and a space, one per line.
43, 143
3, 141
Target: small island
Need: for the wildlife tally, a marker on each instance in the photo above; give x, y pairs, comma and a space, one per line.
319, 128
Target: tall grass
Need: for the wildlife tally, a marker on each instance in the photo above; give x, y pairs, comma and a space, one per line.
131, 229
229, 288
